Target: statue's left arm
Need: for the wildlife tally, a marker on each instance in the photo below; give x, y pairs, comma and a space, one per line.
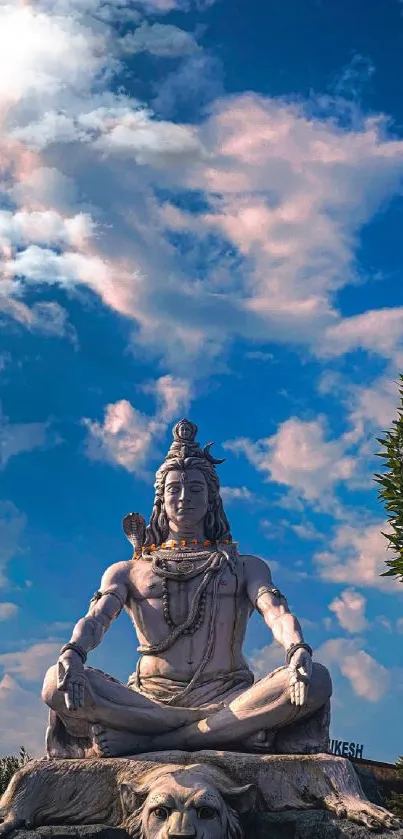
273, 607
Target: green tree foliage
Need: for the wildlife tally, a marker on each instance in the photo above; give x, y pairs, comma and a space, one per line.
391, 489
395, 802
9, 765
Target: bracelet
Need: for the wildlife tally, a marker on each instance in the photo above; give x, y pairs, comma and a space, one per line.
76, 648
293, 649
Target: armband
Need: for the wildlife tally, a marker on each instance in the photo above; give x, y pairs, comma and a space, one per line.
98, 594
266, 590
76, 648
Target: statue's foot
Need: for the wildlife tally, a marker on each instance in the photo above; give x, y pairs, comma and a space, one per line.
109, 742
261, 743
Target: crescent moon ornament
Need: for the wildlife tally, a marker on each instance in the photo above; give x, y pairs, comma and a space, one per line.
206, 451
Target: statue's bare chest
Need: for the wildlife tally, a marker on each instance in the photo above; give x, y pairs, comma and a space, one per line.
183, 580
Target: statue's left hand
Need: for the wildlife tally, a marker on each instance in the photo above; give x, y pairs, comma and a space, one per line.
300, 669
71, 679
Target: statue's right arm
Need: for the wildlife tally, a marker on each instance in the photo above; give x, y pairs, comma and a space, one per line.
105, 606
89, 631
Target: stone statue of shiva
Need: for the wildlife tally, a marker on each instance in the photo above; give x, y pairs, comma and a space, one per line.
189, 593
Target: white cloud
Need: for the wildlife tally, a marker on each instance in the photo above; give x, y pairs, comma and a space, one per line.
349, 609
123, 438
163, 40
16, 438
173, 395
356, 556
368, 678
231, 494
306, 531
12, 524
370, 409
106, 10
373, 407
299, 238
43, 228
71, 269
31, 664
154, 142
42, 53
42, 187
126, 436
48, 318
289, 191
299, 456
378, 331
264, 660
7, 611
23, 719
399, 625
124, 128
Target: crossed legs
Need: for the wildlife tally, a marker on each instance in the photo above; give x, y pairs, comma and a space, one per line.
266, 706
121, 721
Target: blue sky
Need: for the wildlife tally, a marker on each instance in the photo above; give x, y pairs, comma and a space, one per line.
201, 215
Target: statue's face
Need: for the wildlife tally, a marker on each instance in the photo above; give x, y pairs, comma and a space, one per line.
185, 498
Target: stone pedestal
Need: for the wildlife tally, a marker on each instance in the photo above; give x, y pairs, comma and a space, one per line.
312, 824
276, 796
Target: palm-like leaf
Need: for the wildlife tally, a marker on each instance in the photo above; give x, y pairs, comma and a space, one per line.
391, 489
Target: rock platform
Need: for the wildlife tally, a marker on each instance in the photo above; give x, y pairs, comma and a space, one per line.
297, 796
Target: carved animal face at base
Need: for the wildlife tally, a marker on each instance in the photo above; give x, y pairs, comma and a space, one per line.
197, 802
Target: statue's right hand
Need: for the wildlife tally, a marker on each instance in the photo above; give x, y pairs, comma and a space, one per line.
71, 679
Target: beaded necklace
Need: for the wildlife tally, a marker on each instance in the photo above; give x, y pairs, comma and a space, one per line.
183, 572
183, 547
189, 626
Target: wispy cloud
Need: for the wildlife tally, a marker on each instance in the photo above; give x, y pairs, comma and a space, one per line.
161, 39
233, 494
126, 436
264, 660
23, 717
356, 556
30, 664
299, 456
8, 610
349, 609
12, 525
368, 678
378, 331
20, 437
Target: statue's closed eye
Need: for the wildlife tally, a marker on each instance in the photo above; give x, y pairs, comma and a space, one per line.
206, 813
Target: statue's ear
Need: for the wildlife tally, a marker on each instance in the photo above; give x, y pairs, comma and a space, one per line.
241, 799
130, 797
